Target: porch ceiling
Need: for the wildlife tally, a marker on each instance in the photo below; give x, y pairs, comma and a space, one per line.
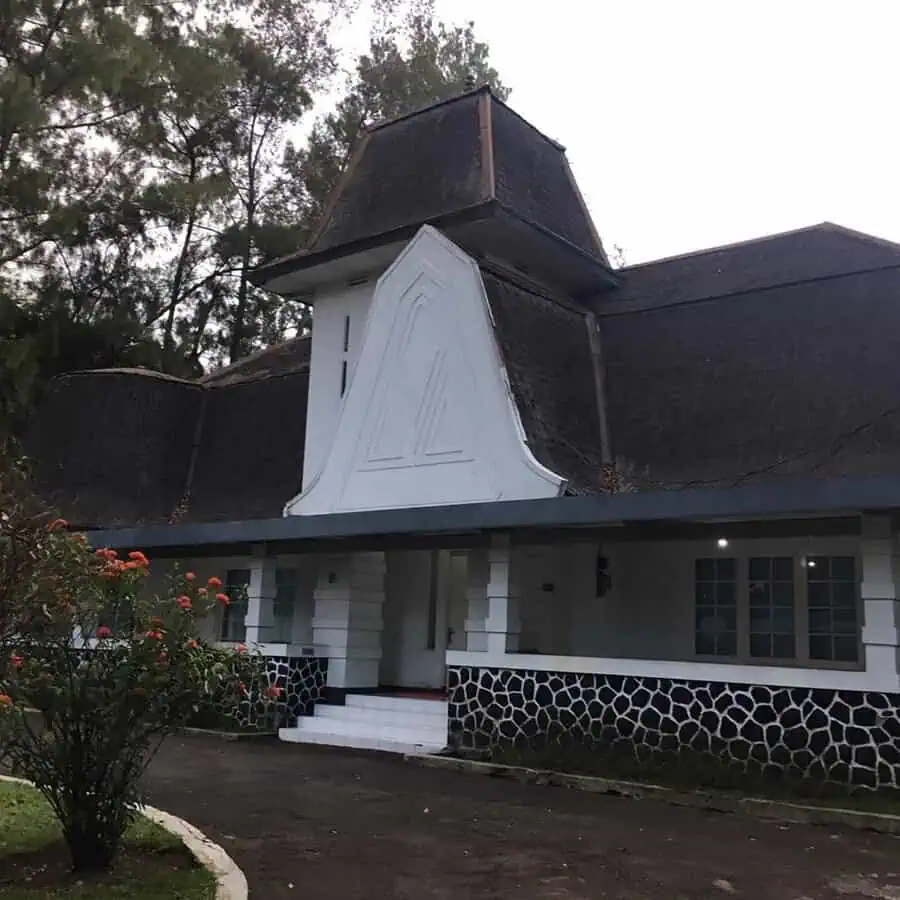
791, 505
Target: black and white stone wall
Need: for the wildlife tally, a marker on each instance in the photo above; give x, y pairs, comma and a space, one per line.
846, 737
302, 681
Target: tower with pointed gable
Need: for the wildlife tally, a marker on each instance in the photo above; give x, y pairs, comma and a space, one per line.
509, 267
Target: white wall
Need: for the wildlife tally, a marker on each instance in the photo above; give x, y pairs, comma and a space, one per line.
326, 361
206, 567
428, 418
649, 611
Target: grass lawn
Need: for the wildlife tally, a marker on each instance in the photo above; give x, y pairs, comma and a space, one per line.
34, 864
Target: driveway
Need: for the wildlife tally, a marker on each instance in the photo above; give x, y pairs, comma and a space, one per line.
322, 824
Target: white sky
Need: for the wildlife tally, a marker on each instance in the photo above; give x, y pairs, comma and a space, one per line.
691, 123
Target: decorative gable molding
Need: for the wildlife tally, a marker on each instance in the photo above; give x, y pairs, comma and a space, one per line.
429, 418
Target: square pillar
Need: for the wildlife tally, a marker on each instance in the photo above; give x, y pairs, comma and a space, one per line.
880, 570
347, 619
476, 600
502, 624
260, 618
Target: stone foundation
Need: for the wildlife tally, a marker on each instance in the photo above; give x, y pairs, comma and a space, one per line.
302, 681
845, 737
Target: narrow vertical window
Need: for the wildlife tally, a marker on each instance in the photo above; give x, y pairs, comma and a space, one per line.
772, 607
715, 594
833, 599
433, 586
234, 626
344, 360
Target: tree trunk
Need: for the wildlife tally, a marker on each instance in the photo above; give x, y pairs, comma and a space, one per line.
91, 849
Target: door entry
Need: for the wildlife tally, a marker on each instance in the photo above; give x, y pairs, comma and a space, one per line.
427, 590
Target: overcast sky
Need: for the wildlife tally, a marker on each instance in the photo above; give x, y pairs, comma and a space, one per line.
695, 123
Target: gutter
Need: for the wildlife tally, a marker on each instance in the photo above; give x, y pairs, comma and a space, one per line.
790, 497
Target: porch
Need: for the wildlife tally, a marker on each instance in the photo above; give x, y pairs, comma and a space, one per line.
756, 622
662, 640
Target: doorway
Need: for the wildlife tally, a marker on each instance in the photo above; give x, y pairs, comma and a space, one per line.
424, 616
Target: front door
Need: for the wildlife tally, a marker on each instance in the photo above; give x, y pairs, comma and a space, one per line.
424, 615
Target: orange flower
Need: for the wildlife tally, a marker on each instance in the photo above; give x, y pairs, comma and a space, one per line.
154, 635
5, 701
189, 576
103, 632
192, 644
81, 538
240, 648
139, 558
224, 599
57, 524
214, 583
184, 603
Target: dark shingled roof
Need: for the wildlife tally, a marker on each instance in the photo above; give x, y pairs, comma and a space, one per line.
784, 371
820, 251
250, 457
547, 353
120, 447
281, 359
469, 152
412, 171
113, 447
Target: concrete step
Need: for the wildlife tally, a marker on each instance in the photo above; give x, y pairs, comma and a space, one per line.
398, 716
369, 729
389, 702
358, 742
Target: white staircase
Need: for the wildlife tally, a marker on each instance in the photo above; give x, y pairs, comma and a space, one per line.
375, 722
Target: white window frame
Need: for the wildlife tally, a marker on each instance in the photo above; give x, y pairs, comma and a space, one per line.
234, 607
294, 582
801, 659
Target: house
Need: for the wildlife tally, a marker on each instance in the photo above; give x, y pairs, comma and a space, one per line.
506, 492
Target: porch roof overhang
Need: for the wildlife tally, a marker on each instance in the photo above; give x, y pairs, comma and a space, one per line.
788, 505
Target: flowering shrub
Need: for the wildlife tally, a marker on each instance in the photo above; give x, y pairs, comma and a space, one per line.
96, 672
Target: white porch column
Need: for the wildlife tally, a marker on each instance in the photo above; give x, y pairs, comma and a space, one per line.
476, 597
880, 569
260, 618
347, 620
502, 623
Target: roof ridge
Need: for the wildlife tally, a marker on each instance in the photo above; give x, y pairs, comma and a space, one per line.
552, 141
252, 379
251, 357
131, 370
428, 107
632, 307
734, 245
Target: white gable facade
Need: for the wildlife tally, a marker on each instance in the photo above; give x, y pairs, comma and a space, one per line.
426, 417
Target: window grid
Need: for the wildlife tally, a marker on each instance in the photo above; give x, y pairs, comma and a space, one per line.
234, 615
715, 630
833, 608
786, 609
771, 607
283, 605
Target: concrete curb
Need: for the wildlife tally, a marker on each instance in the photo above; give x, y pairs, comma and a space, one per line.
231, 884
230, 735
772, 810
